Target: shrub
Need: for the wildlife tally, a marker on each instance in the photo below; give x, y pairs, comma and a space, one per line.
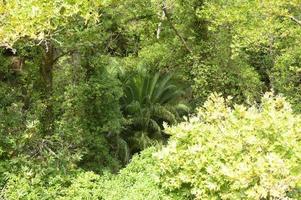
286, 76
235, 153
221, 153
88, 112
138, 181
36, 184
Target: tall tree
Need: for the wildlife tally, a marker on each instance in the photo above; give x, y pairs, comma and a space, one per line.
44, 24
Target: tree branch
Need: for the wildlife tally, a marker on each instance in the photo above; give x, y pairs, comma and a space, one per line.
62, 54
183, 41
162, 18
142, 17
294, 19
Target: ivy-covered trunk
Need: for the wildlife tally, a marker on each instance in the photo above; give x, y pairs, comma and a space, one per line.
46, 75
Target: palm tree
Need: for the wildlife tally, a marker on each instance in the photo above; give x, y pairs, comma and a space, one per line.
149, 100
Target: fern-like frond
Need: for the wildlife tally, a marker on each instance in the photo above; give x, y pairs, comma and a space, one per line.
150, 100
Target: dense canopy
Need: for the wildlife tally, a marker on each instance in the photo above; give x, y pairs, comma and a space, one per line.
150, 99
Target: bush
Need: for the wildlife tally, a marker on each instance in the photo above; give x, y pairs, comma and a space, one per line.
227, 71
286, 76
222, 153
138, 181
235, 153
37, 183
89, 112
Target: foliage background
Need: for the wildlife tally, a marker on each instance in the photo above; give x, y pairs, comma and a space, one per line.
85, 86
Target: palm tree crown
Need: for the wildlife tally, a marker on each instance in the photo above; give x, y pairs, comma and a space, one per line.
149, 100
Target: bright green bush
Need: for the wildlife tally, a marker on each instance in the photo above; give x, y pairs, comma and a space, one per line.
235, 153
222, 153
86, 185
34, 186
138, 181
286, 76
51, 184
223, 72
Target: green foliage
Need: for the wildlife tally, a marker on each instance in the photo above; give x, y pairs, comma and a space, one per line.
89, 111
235, 153
11, 137
31, 185
286, 76
136, 182
229, 77
222, 153
38, 20
74, 108
150, 100
253, 46
84, 186
225, 69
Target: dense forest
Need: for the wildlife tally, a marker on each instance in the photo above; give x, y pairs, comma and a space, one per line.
150, 99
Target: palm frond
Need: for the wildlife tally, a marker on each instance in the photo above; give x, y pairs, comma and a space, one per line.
150, 100
161, 86
153, 85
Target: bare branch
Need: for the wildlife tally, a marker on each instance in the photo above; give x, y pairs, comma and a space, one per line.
162, 18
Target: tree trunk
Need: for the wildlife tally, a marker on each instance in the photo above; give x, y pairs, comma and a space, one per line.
46, 74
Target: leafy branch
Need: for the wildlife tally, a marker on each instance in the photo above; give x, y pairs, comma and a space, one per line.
169, 20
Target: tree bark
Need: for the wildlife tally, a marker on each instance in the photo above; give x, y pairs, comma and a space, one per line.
46, 74
162, 18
